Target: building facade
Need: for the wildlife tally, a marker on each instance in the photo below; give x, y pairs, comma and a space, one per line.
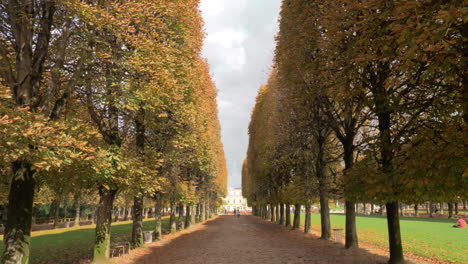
235, 200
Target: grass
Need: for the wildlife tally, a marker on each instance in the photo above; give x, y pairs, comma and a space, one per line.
430, 237
69, 245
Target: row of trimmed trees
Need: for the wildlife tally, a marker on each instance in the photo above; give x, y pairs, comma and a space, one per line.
100, 98
366, 102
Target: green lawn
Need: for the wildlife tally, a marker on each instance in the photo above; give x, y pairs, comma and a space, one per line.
431, 237
67, 245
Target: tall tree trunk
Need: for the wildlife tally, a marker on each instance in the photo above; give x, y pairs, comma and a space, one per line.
372, 209
464, 204
197, 216
158, 217
394, 235
416, 210
383, 111
273, 213
137, 227
308, 219
320, 167
202, 212
93, 215
103, 225
456, 208
130, 213
188, 215
19, 215
56, 214
297, 216
207, 210
282, 216
172, 219
278, 217
126, 209
450, 209
116, 214
288, 215
325, 217
268, 211
77, 210
193, 219
351, 238
181, 218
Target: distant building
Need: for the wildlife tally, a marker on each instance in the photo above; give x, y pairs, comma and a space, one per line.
235, 200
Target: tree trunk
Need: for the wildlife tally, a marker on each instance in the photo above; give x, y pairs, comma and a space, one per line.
181, 218
193, 210
269, 212
372, 209
19, 214
137, 227
129, 213
126, 210
297, 216
450, 210
103, 225
288, 215
146, 211
456, 208
207, 210
324, 216
93, 215
116, 214
202, 212
172, 219
394, 235
464, 204
56, 213
416, 210
273, 213
282, 216
188, 215
77, 210
308, 219
197, 215
278, 213
351, 239
157, 216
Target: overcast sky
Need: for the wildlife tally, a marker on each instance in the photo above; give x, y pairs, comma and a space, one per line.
239, 47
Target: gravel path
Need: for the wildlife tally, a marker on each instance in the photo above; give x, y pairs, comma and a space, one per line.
245, 240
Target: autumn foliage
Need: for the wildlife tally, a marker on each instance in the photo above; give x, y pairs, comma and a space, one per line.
366, 103
105, 98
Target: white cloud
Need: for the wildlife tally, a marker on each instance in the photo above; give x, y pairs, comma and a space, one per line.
227, 46
239, 47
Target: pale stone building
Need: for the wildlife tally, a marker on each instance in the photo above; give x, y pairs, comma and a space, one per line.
235, 200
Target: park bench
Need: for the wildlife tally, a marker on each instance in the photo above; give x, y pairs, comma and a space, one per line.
120, 249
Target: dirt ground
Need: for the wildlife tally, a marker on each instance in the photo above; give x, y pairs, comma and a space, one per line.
248, 240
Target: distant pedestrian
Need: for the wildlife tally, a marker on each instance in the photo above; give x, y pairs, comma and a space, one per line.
238, 213
235, 212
